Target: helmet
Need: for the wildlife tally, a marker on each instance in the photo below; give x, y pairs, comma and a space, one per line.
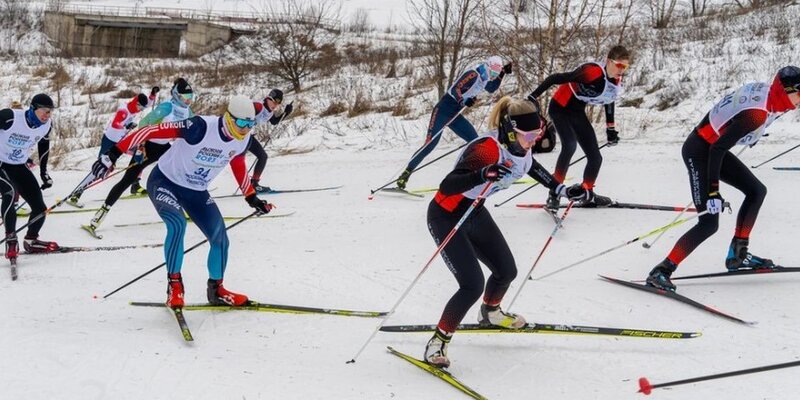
495, 65
275, 95
519, 115
241, 107
42, 100
790, 78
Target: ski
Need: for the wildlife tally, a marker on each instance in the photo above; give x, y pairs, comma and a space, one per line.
13, 269
558, 329
631, 206
786, 168
397, 190
683, 299
270, 215
276, 308
439, 373
433, 189
740, 272
187, 334
91, 230
80, 210
71, 249
554, 215
282, 191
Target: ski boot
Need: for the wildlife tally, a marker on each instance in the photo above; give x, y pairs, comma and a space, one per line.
98, 218
553, 202
219, 296
258, 188
659, 276
12, 247
436, 349
75, 200
174, 290
739, 258
32, 244
403, 179
137, 189
494, 316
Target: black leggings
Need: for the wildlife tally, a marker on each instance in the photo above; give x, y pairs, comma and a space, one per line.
478, 238
153, 151
19, 179
573, 127
734, 173
261, 157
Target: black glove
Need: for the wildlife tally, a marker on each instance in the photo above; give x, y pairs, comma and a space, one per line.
154, 91
261, 206
47, 181
508, 68
469, 102
287, 110
30, 163
576, 192
494, 172
130, 125
612, 135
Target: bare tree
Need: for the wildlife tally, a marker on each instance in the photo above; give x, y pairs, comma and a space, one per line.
445, 26
661, 12
298, 39
698, 7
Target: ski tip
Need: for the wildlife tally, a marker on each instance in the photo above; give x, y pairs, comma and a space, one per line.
646, 245
351, 361
645, 386
370, 197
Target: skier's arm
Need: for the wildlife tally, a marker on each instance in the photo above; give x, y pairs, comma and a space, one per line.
740, 125
494, 84
157, 115
462, 85
541, 175
44, 152
584, 74
239, 168
192, 130
6, 118
467, 173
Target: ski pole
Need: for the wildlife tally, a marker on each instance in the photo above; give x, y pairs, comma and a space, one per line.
80, 186
648, 234
539, 257
196, 245
421, 149
536, 183
424, 268
756, 166
689, 204
645, 386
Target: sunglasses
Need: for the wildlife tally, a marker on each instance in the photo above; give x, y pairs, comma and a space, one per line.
245, 123
187, 96
275, 101
620, 65
530, 136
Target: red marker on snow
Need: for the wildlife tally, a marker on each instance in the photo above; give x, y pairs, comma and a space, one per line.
645, 386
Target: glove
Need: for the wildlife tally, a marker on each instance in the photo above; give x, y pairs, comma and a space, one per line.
612, 135
715, 203
102, 166
261, 206
494, 172
130, 125
508, 68
576, 192
287, 110
30, 164
154, 91
47, 181
469, 102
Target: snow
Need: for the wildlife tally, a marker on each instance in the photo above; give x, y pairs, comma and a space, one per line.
341, 250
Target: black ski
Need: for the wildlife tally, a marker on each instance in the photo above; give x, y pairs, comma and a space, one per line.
786, 168
683, 299
740, 272
558, 329
439, 373
631, 206
71, 249
276, 308
187, 334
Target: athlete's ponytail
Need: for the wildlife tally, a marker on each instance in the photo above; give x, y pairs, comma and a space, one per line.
498, 111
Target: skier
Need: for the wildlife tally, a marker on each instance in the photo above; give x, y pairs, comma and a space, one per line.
502, 157
487, 76
176, 109
120, 124
592, 83
266, 111
203, 146
741, 117
19, 132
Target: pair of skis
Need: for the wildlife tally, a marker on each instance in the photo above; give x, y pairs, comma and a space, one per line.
283, 191
630, 206
686, 300
257, 307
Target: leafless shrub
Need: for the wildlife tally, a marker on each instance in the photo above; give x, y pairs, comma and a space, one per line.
401, 109
336, 107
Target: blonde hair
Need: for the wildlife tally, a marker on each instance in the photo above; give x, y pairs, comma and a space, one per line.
509, 106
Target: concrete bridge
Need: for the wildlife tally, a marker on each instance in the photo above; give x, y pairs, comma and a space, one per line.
100, 31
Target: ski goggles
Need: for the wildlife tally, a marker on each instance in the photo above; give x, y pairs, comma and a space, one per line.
186, 96
244, 123
530, 136
620, 65
494, 70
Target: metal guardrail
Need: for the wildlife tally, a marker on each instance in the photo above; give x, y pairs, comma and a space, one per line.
225, 17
